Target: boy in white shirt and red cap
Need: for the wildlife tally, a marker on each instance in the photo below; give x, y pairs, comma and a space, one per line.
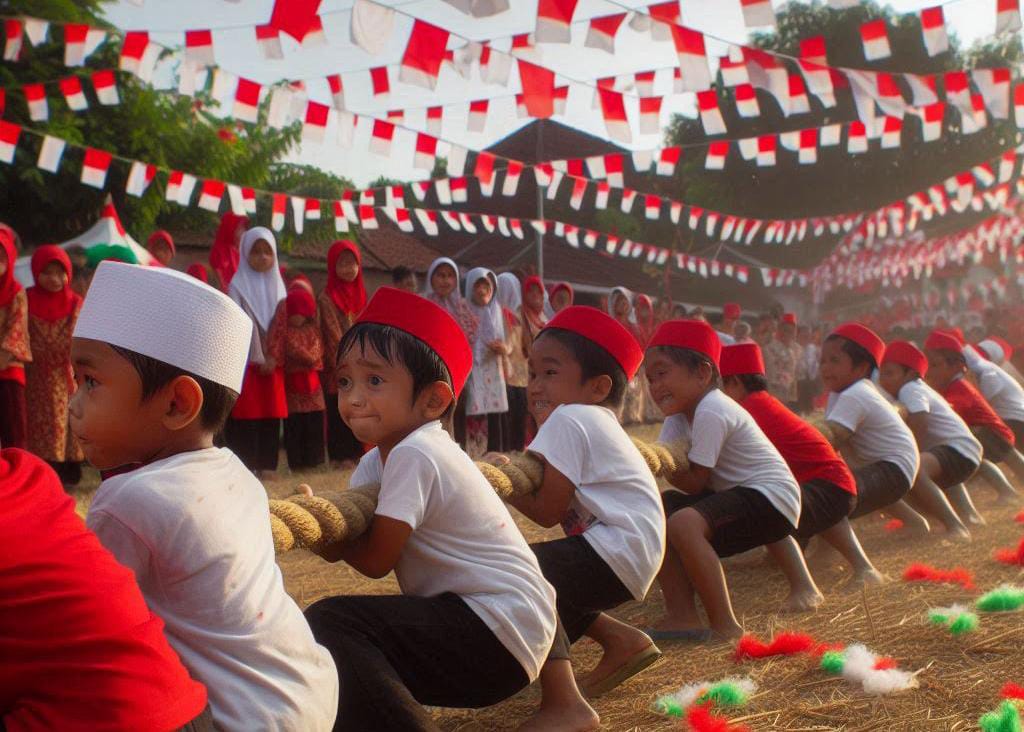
159, 359
476, 618
738, 493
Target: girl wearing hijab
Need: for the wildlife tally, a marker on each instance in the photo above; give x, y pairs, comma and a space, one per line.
161, 246
487, 400
339, 304
52, 311
198, 270
516, 367
644, 317
620, 307
254, 430
534, 299
224, 255
14, 347
562, 296
304, 355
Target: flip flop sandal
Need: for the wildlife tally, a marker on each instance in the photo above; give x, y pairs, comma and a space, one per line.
690, 635
633, 665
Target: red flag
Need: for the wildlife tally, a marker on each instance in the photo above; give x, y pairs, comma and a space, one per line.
538, 89
424, 53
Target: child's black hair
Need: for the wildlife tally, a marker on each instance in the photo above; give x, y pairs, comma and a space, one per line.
395, 345
751, 382
218, 400
594, 361
690, 360
857, 353
400, 273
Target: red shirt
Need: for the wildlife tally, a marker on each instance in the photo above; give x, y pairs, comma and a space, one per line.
79, 649
968, 402
805, 451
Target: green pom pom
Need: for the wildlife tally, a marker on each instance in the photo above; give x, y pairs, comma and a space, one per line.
724, 694
938, 618
1002, 599
668, 706
964, 623
832, 662
1005, 719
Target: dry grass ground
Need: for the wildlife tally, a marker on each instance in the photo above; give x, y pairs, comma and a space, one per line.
959, 678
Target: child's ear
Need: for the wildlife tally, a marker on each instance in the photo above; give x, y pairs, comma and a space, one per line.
435, 399
600, 388
185, 402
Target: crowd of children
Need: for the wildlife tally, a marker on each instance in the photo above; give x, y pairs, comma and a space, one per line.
154, 369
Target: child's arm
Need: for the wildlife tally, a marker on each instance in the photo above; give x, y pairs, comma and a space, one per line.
375, 552
548, 506
841, 435
693, 480
918, 424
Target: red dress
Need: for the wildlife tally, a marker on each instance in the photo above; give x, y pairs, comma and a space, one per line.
263, 395
969, 403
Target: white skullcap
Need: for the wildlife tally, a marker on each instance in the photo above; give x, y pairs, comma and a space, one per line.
994, 351
170, 317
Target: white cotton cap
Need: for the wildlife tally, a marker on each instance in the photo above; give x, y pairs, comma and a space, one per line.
170, 317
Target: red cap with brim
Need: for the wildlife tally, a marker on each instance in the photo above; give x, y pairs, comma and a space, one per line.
956, 333
599, 327
789, 318
732, 311
1004, 344
742, 358
908, 355
426, 321
694, 335
864, 337
941, 340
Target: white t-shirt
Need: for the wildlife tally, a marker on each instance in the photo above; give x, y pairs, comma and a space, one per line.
195, 529
878, 432
725, 438
617, 506
945, 427
725, 339
1001, 391
463, 540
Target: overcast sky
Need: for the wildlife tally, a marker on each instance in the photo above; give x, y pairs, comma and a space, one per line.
236, 51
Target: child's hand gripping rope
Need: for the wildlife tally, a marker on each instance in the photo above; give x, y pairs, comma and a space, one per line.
313, 522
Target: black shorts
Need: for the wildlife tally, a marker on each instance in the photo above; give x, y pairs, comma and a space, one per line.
879, 485
740, 518
823, 504
1018, 429
995, 447
954, 466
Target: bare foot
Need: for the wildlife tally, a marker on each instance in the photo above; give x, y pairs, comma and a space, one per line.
802, 602
916, 526
958, 534
620, 643
577, 718
1006, 498
865, 578
975, 519
726, 632
304, 489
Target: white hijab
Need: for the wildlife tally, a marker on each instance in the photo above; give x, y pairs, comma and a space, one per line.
510, 292
492, 322
451, 302
628, 294
258, 292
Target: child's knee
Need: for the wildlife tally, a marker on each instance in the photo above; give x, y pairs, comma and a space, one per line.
689, 522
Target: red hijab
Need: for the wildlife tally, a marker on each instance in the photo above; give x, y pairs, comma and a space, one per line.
301, 302
350, 297
160, 236
644, 309
42, 303
197, 270
559, 286
9, 287
224, 254
535, 318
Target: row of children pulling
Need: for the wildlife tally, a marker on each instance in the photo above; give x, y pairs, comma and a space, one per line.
482, 614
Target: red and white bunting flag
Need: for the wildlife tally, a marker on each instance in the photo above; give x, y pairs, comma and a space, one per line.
443, 191
554, 18
312, 209
644, 82
652, 206
663, 16
247, 100
477, 115
819, 82
517, 228
932, 117
717, 152
958, 91
976, 119
694, 218
71, 88
315, 36
650, 115
734, 73
12, 38
50, 153
368, 197
590, 238
642, 160
368, 218
746, 101
340, 220
748, 147
95, 167
248, 200
105, 85
1018, 105
889, 97
933, 28
613, 109
994, 85
856, 138
628, 196
813, 49
79, 43
693, 59
1007, 164
710, 114
428, 220
424, 53
613, 168
456, 159
337, 88
601, 196
210, 195
35, 97
483, 171
601, 32
595, 167
9, 134
538, 89
798, 101
36, 30
182, 188
875, 37
767, 72
489, 222
314, 125
174, 179
984, 174
380, 138
451, 219
668, 158
830, 135
512, 174
579, 189
559, 99
766, 145
711, 222
460, 190
394, 196
199, 47
401, 218
379, 81
808, 152
1007, 16
543, 173
269, 41
495, 66
891, 133
572, 235
426, 151
139, 55
139, 178
923, 89
435, 116
757, 13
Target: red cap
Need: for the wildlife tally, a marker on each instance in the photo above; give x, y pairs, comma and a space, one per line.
789, 318
864, 337
742, 358
301, 302
605, 331
695, 335
906, 354
422, 319
732, 311
942, 340
956, 333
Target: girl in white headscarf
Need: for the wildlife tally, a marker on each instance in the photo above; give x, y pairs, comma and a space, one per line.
517, 370
443, 289
486, 400
253, 432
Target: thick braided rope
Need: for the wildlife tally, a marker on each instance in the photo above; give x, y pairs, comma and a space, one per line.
818, 422
332, 516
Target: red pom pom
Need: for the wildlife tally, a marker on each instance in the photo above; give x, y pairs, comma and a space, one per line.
784, 644
1019, 518
893, 525
1011, 690
1011, 556
702, 719
885, 663
926, 573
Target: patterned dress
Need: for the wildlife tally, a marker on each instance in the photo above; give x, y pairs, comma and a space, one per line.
333, 326
780, 365
304, 352
14, 340
49, 383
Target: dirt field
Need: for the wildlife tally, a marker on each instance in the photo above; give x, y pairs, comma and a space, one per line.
959, 678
